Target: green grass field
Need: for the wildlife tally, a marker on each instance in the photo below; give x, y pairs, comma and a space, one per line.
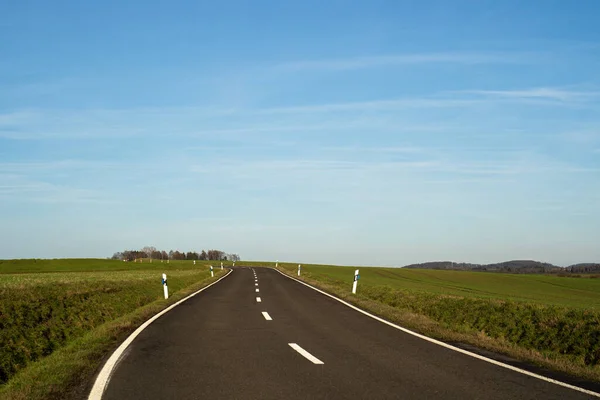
51, 310
549, 320
541, 289
93, 264
58, 318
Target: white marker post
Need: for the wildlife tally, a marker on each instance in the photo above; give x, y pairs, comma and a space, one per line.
356, 278
299, 268
212, 274
276, 263
234, 263
221, 264
165, 288
194, 262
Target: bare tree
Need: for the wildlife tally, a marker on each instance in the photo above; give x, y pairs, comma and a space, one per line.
149, 250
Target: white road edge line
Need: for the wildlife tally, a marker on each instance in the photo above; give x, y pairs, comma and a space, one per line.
258, 300
101, 382
448, 346
267, 316
305, 353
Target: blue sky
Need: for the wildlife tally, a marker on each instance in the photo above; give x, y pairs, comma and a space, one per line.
376, 132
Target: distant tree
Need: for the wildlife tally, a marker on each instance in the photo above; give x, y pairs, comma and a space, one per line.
156, 255
128, 255
216, 255
152, 252
149, 250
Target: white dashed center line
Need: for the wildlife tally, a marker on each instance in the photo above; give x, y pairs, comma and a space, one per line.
258, 300
267, 316
305, 354
257, 290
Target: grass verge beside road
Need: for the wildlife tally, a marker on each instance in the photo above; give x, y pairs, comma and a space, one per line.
55, 328
525, 324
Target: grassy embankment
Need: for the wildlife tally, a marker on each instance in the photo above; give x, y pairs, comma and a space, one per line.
547, 320
60, 318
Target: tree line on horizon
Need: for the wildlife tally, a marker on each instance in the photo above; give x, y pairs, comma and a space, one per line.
514, 266
153, 253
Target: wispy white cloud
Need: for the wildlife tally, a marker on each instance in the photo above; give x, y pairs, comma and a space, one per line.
31, 124
209, 122
582, 137
426, 164
40, 88
16, 117
23, 189
407, 59
50, 166
237, 228
370, 115
366, 149
547, 93
310, 165
376, 105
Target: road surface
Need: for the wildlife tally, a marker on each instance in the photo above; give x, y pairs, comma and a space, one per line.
296, 343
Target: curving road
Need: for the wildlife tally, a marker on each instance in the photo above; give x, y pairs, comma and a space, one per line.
299, 344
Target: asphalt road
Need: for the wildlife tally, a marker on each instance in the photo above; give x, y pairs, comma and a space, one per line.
220, 345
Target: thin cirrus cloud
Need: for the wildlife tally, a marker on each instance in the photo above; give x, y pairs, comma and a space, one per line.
127, 123
548, 93
376, 105
27, 190
582, 136
54, 165
353, 63
203, 121
431, 161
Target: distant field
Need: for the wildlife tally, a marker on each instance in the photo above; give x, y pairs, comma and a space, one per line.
542, 289
93, 264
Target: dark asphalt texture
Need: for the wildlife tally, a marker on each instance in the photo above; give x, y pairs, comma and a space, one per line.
218, 345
